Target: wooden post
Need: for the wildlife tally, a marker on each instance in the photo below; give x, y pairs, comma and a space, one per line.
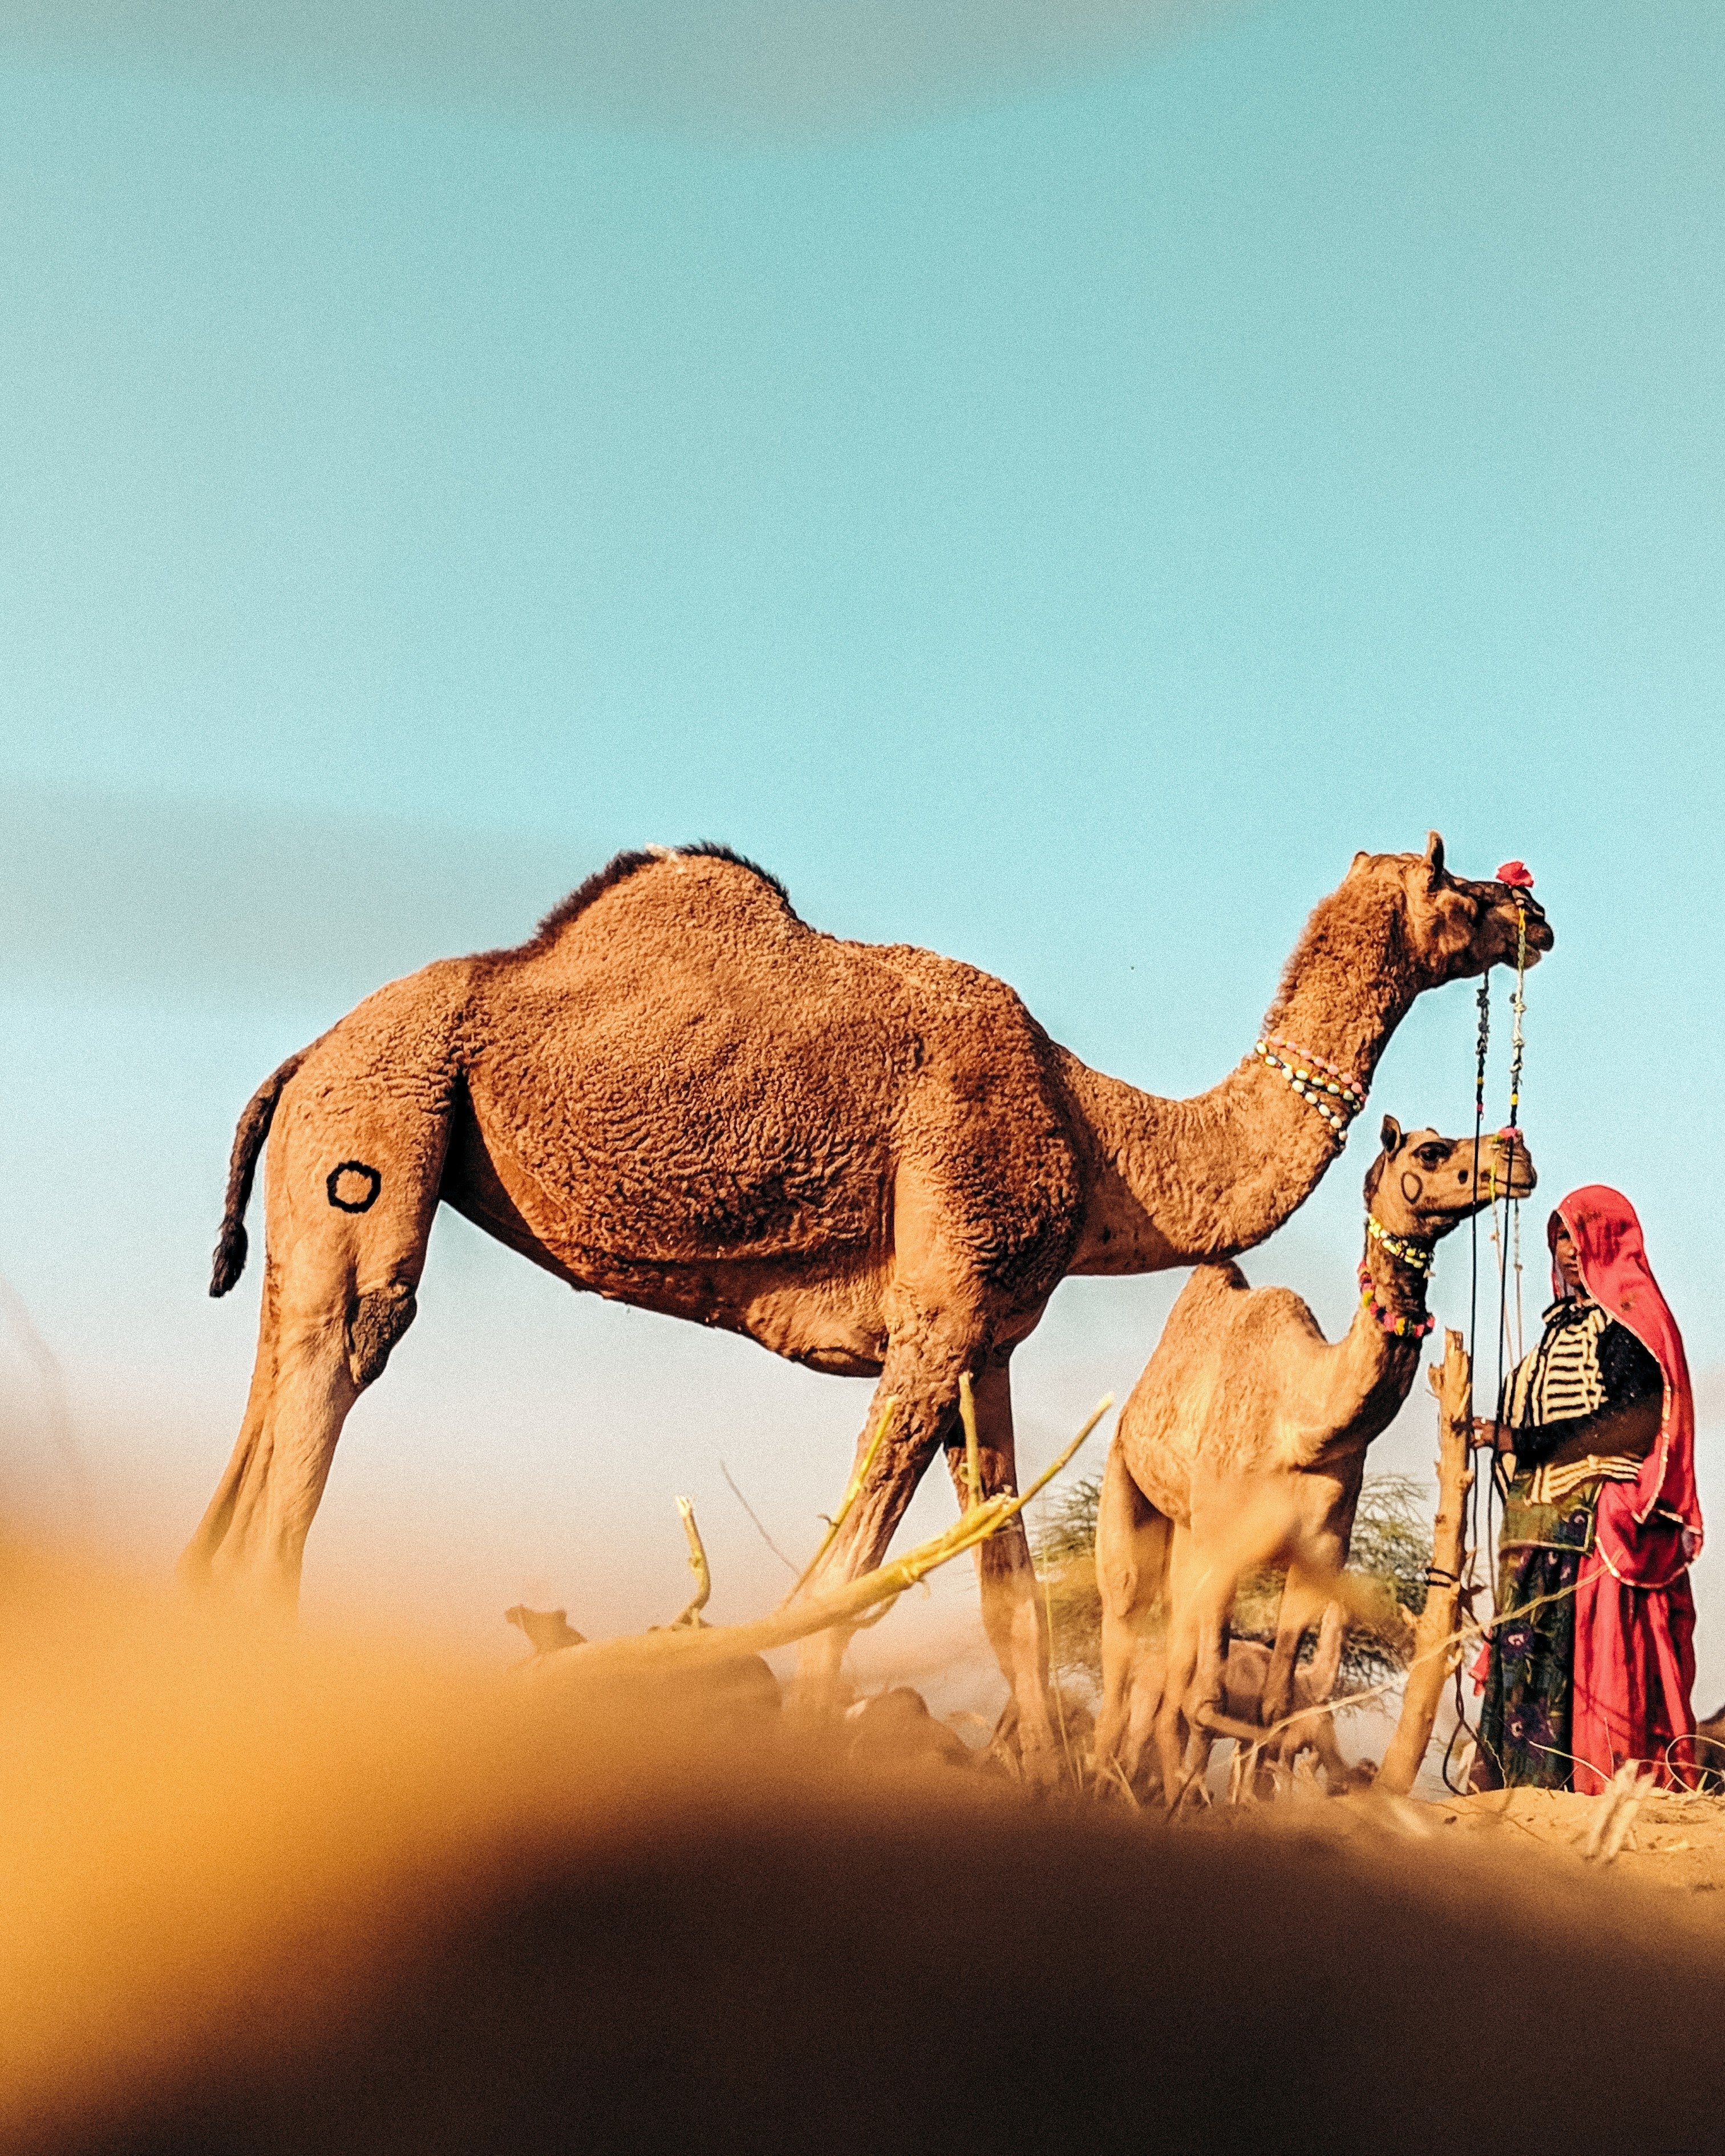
1452, 1381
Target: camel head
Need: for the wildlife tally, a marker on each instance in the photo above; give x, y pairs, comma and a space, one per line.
1422, 1184
1456, 927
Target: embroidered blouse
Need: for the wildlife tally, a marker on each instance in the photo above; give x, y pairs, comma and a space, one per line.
1585, 1361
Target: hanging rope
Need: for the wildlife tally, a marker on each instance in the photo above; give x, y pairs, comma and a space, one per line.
1486, 1492
1477, 1512
1512, 1204
1519, 1005
1482, 1048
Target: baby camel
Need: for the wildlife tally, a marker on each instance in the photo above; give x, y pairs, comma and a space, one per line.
1243, 1446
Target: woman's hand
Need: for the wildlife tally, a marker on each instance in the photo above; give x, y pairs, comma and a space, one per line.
1497, 1434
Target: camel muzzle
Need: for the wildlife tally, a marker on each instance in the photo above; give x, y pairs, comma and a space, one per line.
1510, 1167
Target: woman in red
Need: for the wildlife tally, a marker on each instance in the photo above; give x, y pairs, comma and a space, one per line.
1592, 1658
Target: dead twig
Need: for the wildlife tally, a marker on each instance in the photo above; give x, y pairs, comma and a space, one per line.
789, 1563
843, 1605
973, 1461
1054, 1676
690, 1619
1452, 1382
1612, 1817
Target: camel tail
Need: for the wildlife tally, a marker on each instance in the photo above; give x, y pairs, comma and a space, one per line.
254, 1127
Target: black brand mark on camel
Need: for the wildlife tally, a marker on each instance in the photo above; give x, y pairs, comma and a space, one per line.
363, 1203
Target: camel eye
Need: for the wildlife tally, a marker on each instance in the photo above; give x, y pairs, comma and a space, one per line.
1431, 1156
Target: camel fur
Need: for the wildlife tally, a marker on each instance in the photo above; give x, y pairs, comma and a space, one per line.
1243, 1446
869, 1158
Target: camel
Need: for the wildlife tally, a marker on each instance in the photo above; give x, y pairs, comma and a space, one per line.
1243, 1446
1245, 1673
869, 1158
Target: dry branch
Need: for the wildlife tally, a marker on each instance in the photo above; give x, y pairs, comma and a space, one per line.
1612, 1817
692, 1618
685, 1646
972, 1463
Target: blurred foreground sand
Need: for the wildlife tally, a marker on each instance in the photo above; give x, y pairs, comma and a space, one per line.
333, 1895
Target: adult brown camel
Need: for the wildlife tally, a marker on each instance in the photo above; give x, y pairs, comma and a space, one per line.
869, 1158
1243, 1446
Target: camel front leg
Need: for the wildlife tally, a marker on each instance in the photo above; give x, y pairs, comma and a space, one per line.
1304, 1598
1185, 1619
1207, 1704
1318, 1730
920, 1374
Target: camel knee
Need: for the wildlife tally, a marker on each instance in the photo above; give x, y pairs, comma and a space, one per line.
376, 1321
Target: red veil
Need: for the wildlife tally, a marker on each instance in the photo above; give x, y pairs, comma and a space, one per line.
1635, 1630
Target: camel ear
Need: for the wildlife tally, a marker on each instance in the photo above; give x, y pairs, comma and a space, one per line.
1391, 1134
1358, 862
1434, 858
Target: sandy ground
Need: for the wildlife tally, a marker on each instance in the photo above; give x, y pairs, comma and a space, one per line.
260, 1895
1677, 1845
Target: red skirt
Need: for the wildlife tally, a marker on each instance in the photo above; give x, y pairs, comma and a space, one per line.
1634, 1671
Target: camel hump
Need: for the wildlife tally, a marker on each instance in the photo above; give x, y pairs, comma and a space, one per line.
1220, 1295
624, 867
1224, 1277
1219, 1304
1206, 1286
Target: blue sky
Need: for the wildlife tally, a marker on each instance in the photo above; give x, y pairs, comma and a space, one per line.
1053, 508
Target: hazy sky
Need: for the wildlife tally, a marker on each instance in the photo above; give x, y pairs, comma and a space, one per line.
1048, 510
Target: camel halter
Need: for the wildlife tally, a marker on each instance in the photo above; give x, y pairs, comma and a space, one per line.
1336, 1097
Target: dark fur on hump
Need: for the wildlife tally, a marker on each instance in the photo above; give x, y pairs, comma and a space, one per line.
621, 866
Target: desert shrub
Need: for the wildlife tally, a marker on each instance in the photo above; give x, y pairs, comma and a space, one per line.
1065, 1548
1392, 1536
1391, 1547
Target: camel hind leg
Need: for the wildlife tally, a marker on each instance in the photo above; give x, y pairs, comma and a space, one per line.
351, 1184
1132, 1564
1013, 1611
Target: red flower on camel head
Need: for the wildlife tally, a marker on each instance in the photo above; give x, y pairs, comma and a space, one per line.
1517, 875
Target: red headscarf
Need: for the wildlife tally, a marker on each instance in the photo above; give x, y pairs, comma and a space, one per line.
1648, 1530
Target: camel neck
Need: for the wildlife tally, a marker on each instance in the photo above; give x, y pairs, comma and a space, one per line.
1398, 1287
1178, 1182
1349, 984
1182, 1182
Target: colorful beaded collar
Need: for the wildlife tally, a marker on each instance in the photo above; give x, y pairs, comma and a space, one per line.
1417, 1258
1338, 1097
1413, 1328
